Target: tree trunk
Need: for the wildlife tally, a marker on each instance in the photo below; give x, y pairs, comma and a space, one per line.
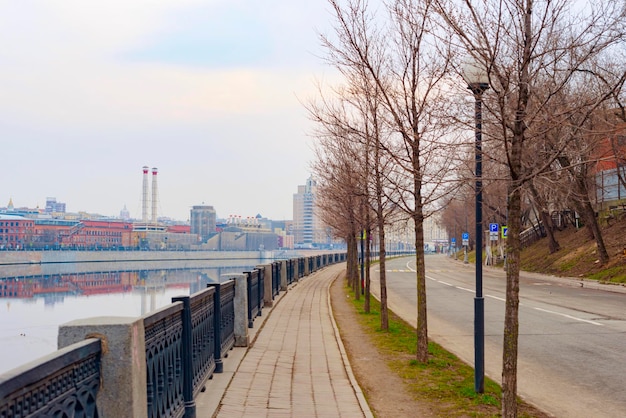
384, 314
368, 256
553, 244
583, 205
591, 221
380, 223
511, 309
352, 262
359, 267
422, 321
511, 315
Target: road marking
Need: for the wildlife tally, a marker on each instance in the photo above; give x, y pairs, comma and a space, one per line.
504, 300
570, 317
521, 304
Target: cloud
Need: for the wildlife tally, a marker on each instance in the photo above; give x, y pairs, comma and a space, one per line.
205, 90
213, 36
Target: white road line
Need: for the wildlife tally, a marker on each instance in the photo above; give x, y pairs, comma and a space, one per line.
521, 304
504, 300
570, 317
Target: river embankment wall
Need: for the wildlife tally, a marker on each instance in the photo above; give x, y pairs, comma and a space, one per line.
45, 257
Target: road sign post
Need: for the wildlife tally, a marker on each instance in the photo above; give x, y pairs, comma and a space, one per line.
465, 238
493, 231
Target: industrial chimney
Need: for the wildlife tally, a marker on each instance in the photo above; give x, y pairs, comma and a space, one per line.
144, 196
154, 195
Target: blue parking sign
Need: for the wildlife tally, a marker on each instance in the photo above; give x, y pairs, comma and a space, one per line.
493, 227
465, 235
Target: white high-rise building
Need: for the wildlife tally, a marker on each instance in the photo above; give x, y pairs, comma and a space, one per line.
307, 227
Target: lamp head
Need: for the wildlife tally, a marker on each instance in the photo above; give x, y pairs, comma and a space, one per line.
475, 75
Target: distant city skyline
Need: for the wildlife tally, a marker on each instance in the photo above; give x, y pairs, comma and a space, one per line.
125, 214
210, 92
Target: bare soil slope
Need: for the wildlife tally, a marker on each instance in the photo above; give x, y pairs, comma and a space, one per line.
578, 256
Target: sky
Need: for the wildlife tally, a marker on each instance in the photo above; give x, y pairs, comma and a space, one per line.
210, 92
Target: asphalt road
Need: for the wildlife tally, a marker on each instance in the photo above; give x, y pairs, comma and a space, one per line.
572, 343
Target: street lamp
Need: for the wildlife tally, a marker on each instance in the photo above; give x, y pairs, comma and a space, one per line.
477, 80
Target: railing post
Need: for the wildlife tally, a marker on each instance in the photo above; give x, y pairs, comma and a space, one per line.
190, 403
268, 298
249, 298
217, 327
123, 392
241, 308
261, 289
283, 276
253, 289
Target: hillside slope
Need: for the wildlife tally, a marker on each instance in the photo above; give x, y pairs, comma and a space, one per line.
578, 254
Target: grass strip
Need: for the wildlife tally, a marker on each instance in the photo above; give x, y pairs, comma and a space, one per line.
445, 382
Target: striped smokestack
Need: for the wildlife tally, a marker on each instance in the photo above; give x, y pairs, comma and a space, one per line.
154, 195
144, 196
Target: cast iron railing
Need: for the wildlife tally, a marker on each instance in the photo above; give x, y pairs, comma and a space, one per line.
224, 321
202, 306
185, 342
164, 349
276, 275
64, 384
301, 262
290, 271
255, 294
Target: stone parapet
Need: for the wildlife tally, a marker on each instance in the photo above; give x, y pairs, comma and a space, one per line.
123, 392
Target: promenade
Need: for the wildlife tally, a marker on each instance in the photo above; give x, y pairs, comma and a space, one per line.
296, 365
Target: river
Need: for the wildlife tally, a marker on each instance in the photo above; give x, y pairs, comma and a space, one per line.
33, 305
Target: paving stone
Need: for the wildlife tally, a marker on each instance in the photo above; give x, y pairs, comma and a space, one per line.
295, 367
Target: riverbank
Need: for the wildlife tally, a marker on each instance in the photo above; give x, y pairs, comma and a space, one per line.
45, 257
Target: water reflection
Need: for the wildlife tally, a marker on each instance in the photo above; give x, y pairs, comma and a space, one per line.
35, 300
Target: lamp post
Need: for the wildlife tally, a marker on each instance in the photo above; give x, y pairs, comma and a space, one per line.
478, 81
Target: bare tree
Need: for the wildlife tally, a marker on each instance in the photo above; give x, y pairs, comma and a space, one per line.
337, 210
546, 219
409, 74
522, 44
340, 188
359, 113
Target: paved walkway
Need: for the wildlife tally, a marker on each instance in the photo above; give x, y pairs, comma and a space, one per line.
296, 366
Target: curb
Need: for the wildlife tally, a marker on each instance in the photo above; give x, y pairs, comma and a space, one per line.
365, 408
